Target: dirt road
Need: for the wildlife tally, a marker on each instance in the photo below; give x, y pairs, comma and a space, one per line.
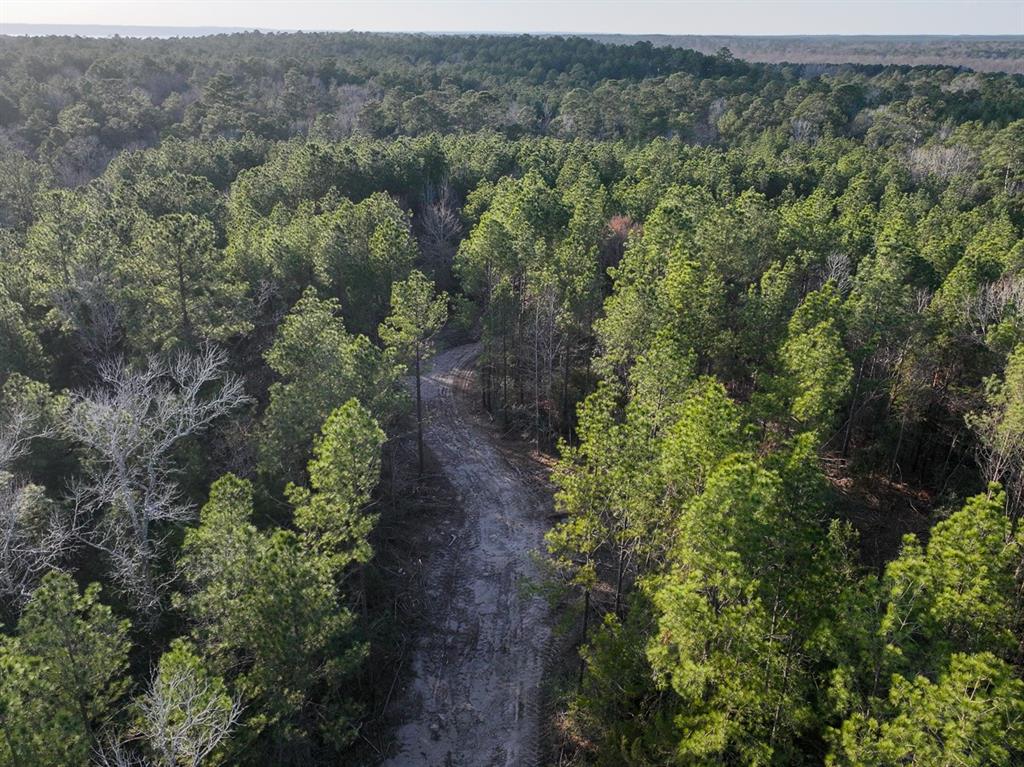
473, 696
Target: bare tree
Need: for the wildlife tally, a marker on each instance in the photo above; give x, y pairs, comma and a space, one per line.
90, 310
999, 427
17, 429
118, 755
130, 426
941, 161
36, 535
991, 302
184, 717
187, 717
439, 230
837, 269
350, 100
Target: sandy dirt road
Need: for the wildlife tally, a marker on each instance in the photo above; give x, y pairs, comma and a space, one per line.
473, 695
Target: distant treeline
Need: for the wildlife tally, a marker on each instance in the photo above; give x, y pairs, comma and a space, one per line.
75, 103
998, 53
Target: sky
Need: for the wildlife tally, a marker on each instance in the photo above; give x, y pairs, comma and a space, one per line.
743, 17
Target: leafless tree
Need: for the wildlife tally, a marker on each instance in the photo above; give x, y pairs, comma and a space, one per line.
350, 100
16, 432
990, 303
36, 535
613, 248
92, 313
439, 230
837, 269
130, 426
186, 718
943, 162
999, 427
922, 300
999, 453
118, 755
803, 130
80, 160
183, 720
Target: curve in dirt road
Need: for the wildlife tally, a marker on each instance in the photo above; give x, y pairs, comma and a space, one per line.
474, 693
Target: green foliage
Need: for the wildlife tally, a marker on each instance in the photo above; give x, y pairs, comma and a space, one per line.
344, 470
740, 272
1000, 429
956, 594
321, 366
633, 311
181, 289
416, 316
933, 681
64, 674
386, 86
818, 370
22, 351
616, 700
970, 715
732, 629
72, 251
265, 597
706, 430
353, 251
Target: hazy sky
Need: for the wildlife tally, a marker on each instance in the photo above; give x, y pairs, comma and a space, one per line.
589, 16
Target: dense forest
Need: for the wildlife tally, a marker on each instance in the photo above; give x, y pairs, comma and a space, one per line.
768, 320
993, 53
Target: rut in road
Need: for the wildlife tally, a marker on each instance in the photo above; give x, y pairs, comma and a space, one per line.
474, 693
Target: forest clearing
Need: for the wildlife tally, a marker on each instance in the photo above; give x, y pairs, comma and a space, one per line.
476, 677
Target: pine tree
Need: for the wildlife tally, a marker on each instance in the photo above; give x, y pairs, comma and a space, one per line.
417, 314
64, 673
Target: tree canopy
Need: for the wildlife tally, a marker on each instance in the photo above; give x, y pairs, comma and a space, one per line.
764, 321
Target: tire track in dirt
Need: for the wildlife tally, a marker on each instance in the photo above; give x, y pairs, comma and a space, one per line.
473, 699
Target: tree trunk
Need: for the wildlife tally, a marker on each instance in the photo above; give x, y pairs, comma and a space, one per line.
896, 452
484, 382
504, 373
853, 409
186, 321
618, 579
362, 590
536, 377
565, 392
419, 416
583, 641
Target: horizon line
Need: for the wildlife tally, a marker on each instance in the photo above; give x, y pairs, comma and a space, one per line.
215, 30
